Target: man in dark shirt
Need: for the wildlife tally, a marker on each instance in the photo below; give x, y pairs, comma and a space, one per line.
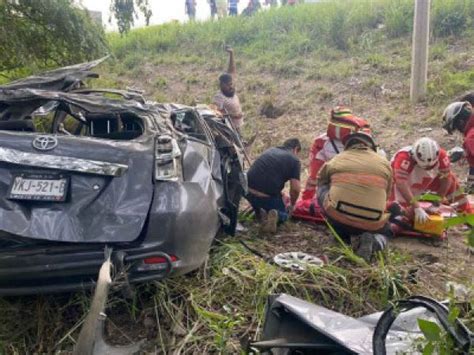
213, 6
266, 179
190, 8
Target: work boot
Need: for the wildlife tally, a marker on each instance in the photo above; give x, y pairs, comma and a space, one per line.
261, 215
365, 246
379, 242
270, 225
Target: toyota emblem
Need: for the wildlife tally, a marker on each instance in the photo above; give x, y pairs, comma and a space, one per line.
45, 143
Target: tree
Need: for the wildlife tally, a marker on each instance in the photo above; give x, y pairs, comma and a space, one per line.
125, 13
38, 34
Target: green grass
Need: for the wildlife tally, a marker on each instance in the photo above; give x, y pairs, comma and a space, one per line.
448, 84
292, 32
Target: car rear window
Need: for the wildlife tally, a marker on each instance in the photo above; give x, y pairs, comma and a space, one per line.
58, 118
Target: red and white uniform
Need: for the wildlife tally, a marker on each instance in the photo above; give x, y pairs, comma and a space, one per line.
322, 150
326, 146
406, 171
469, 150
469, 141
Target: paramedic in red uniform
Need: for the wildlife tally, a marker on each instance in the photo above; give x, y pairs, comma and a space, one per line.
326, 146
424, 167
459, 116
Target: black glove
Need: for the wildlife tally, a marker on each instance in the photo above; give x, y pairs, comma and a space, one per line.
470, 182
456, 154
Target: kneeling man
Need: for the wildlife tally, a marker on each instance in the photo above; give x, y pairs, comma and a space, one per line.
353, 189
266, 179
422, 167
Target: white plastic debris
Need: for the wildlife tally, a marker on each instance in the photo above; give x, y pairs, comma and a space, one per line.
297, 261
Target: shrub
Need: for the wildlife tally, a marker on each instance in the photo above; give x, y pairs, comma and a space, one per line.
398, 17
451, 17
46, 33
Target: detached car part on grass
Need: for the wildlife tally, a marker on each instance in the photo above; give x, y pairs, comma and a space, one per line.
294, 326
155, 182
91, 337
297, 261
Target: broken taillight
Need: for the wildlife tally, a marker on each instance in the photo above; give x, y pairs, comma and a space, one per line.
168, 165
159, 259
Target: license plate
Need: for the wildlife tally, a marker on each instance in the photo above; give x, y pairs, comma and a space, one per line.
39, 188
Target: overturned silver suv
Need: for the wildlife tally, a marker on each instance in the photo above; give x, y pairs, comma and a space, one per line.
84, 170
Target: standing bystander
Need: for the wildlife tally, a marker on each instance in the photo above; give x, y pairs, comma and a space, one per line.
233, 7
272, 3
226, 99
213, 8
221, 8
190, 8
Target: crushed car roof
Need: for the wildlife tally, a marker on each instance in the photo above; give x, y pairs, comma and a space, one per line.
62, 79
93, 103
65, 85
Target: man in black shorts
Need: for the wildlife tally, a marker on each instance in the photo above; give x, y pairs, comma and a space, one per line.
266, 179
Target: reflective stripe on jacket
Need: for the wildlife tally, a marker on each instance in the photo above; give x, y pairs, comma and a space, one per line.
359, 184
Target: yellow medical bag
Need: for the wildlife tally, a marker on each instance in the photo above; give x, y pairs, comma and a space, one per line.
434, 225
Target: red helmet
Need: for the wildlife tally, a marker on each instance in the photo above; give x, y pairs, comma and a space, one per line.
343, 122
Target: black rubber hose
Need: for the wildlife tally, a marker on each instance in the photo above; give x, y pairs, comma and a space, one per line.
461, 335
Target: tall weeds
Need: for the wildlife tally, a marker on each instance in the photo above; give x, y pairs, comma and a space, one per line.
226, 300
287, 33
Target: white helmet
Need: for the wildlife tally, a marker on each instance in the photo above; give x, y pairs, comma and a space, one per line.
425, 151
454, 117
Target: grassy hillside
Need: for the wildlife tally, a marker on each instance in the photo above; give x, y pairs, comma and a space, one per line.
305, 59
281, 40
291, 32
301, 61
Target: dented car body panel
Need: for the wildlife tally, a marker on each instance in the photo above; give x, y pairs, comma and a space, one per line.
62, 79
153, 182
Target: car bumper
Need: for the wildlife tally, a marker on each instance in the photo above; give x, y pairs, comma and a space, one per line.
70, 268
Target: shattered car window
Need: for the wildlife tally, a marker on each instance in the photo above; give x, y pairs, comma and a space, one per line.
61, 118
187, 122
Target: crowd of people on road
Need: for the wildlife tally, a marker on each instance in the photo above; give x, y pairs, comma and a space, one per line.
222, 8
350, 181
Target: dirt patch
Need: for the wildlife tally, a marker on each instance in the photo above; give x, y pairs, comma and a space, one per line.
270, 110
432, 263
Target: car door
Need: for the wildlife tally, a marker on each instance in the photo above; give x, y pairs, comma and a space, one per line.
199, 151
228, 166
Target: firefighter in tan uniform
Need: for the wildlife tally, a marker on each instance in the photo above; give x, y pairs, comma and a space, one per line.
353, 189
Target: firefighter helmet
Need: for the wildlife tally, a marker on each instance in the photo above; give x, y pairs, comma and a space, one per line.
359, 137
